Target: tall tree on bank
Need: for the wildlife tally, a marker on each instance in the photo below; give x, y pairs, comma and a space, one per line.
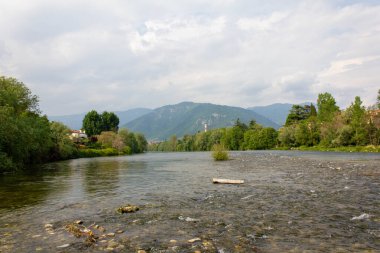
110, 122
95, 123
357, 121
378, 99
92, 123
326, 107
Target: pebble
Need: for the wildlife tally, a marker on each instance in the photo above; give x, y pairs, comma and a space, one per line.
35, 236
112, 244
63, 246
78, 222
38, 249
197, 239
48, 225
120, 231
141, 251
173, 241
111, 234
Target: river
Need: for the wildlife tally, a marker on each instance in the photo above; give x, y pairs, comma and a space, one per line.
289, 202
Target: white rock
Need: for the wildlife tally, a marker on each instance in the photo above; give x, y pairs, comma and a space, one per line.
63, 246
363, 216
197, 239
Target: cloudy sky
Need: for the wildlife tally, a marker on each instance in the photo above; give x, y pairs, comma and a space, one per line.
117, 55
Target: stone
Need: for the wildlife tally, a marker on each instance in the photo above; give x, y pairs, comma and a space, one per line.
48, 225
63, 246
141, 251
173, 241
111, 234
128, 209
119, 231
78, 222
197, 239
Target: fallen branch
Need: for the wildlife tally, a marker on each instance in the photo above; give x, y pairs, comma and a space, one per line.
227, 181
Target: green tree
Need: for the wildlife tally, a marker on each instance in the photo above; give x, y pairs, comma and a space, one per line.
14, 94
378, 99
357, 113
110, 121
142, 144
298, 113
63, 147
327, 107
92, 123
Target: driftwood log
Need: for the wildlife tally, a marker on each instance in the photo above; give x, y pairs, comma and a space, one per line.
227, 181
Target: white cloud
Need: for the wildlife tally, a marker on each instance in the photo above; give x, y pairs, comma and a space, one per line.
122, 54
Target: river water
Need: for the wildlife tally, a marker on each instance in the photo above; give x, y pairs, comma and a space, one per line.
289, 202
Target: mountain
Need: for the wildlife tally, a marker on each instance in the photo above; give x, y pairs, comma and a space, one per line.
275, 112
189, 118
74, 121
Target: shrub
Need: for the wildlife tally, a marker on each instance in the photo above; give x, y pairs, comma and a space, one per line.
219, 153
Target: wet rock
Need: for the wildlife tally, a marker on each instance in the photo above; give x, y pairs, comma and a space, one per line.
63, 246
111, 234
141, 251
363, 216
36, 236
197, 239
39, 249
79, 222
173, 241
119, 231
48, 225
128, 209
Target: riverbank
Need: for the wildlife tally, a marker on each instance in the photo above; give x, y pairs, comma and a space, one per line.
364, 149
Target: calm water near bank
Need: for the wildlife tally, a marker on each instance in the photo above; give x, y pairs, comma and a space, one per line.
291, 201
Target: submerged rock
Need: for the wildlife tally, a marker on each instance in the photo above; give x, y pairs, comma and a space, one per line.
128, 209
363, 216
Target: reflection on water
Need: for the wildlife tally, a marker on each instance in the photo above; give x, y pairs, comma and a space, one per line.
290, 202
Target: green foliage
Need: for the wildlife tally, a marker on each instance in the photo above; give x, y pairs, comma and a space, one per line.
14, 94
88, 152
26, 137
92, 123
95, 123
378, 99
327, 107
110, 122
298, 113
264, 138
357, 121
63, 147
219, 153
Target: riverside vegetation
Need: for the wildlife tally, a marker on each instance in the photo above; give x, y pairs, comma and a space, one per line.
28, 138
325, 128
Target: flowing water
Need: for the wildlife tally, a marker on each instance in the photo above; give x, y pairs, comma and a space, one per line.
289, 202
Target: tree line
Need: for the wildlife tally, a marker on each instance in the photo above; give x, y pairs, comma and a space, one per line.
28, 138
306, 126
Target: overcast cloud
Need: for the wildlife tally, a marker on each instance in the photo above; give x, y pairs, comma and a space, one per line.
116, 55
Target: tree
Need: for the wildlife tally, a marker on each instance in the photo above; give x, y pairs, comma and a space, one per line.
110, 121
92, 123
378, 99
358, 121
142, 144
326, 107
24, 135
298, 113
16, 95
63, 147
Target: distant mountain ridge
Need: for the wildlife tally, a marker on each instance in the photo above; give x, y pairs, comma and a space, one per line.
74, 121
275, 112
189, 118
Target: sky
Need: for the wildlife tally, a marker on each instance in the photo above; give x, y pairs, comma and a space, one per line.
116, 55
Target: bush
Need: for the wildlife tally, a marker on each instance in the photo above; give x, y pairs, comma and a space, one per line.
97, 152
219, 153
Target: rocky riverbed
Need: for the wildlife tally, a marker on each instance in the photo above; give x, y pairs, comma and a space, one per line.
288, 203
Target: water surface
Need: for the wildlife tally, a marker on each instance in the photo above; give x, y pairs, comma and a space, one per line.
290, 202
